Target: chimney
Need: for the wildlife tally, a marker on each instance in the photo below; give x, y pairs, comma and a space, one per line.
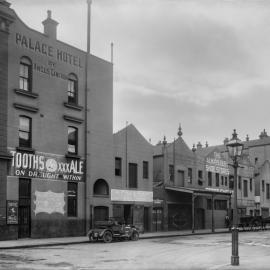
199, 145
263, 134
50, 26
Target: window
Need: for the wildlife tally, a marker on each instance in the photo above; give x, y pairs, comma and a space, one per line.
231, 182
133, 175
226, 180
25, 74
171, 173
250, 184
217, 179
267, 191
190, 175
262, 185
101, 188
209, 179
145, 169
245, 188
25, 131
200, 177
72, 89
72, 199
118, 166
222, 180
72, 140
220, 205
239, 182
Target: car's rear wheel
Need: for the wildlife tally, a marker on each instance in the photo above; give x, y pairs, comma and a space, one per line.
135, 236
107, 237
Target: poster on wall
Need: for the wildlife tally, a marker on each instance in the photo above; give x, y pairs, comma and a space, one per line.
12, 212
46, 166
49, 202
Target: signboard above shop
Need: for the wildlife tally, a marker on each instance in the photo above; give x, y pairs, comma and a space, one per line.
46, 166
216, 163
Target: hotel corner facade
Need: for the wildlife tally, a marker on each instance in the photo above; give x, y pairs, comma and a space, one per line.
56, 140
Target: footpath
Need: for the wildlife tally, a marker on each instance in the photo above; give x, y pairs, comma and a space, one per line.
41, 242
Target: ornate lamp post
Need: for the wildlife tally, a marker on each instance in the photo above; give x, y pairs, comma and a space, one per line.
235, 149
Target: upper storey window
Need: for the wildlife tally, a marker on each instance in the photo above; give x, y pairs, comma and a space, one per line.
25, 131
72, 89
72, 140
25, 74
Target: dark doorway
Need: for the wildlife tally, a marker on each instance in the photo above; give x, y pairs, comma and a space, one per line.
101, 213
128, 214
199, 218
146, 219
24, 208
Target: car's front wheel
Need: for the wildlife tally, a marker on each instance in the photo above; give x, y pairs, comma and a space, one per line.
135, 236
107, 237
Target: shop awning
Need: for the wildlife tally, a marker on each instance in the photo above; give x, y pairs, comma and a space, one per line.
200, 191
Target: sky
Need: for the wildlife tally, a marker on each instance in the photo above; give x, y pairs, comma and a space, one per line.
202, 63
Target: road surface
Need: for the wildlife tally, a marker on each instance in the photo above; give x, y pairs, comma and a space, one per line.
211, 252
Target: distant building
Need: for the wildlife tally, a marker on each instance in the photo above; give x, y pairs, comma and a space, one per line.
191, 189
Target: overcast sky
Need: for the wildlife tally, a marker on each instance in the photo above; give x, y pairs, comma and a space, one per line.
204, 64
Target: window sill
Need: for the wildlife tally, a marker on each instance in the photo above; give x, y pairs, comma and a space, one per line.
73, 106
26, 93
101, 196
68, 155
5, 156
25, 149
73, 119
25, 107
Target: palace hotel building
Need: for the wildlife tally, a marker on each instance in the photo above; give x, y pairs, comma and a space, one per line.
56, 139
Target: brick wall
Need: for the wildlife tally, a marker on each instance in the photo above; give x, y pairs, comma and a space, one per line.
3, 130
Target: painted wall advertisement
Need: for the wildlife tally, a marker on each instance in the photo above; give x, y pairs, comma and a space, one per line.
46, 166
217, 164
12, 212
49, 202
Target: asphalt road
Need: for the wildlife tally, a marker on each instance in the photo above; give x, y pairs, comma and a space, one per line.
184, 252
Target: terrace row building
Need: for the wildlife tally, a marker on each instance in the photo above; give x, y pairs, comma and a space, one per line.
62, 168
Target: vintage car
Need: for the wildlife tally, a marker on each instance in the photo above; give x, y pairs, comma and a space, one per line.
112, 229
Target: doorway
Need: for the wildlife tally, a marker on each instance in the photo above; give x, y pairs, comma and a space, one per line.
101, 213
157, 219
146, 219
128, 214
24, 228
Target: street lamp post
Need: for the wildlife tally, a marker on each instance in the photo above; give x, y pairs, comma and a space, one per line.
235, 149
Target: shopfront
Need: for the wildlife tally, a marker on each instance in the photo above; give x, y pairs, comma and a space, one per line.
133, 207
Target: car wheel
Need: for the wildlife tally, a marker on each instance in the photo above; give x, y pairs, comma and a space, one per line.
107, 237
135, 236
